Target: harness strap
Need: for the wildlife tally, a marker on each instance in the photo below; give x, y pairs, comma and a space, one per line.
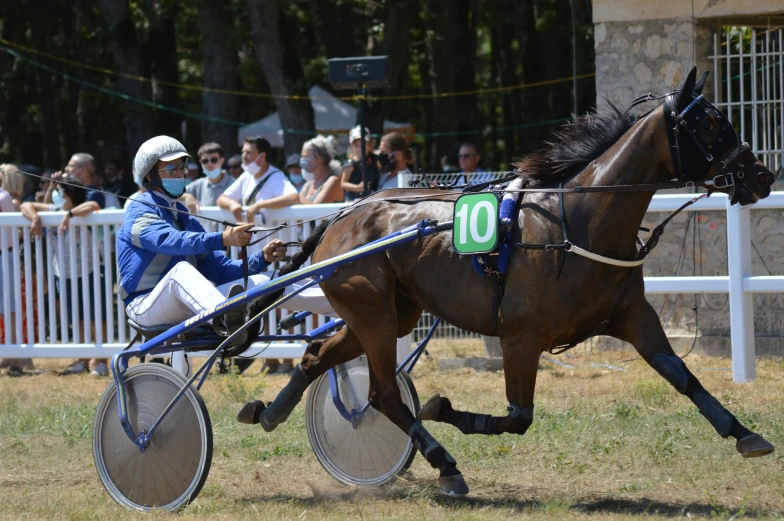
244, 256
571, 248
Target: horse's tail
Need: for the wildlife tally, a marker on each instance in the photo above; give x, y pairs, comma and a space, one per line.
297, 260
308, 247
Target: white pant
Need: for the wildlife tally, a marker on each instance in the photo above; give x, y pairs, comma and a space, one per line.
184, 292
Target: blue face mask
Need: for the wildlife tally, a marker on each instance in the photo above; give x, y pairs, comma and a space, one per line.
58, 199
175, 187
295, 178
212, 174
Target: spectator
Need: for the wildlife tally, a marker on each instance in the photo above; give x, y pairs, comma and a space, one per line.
81, 166
351, 178
393, 159
31, 181
469, 159
295, 172
13, 182
448, 163
235, 166
113, 177
68, 194
13, 365
206, 190
260, 186
317, 163
46, 178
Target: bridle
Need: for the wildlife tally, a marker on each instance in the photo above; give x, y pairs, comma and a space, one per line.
713, 136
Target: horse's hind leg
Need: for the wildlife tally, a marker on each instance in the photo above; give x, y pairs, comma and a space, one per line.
377, 326
641, 327
521, 362
320, 356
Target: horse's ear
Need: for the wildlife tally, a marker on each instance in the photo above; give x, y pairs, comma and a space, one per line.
700, 83
685, 95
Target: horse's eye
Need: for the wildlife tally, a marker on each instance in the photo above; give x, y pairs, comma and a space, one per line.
709, 129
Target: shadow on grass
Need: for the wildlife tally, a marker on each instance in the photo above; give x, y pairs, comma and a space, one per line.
585, 505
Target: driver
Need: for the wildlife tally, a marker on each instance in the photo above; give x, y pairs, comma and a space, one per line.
170, 268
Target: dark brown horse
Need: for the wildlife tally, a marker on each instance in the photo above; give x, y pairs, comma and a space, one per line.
381, 297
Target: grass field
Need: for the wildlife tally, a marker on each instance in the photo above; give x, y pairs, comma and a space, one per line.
610, 440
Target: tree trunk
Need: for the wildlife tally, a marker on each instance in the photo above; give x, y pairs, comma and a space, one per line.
281, 71
463, 49
45, 87
220, 72
442, 77
396, 45
530, 55
128, 58
337, 24
162, 57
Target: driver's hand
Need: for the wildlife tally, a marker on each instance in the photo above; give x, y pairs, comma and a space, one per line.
237, 235
274, 251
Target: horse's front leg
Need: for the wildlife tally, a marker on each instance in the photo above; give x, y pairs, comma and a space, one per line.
639, 325
521, 363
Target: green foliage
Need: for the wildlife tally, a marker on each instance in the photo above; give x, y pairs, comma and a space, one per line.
34, 130
237, 389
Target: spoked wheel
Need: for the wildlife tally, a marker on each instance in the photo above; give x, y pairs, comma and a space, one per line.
373, 452
173, 468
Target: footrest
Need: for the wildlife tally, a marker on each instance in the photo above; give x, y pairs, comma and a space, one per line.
149, 332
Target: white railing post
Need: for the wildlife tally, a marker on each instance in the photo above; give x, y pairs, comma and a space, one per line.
741, 303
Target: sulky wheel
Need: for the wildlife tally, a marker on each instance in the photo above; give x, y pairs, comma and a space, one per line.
373, 452
174, 467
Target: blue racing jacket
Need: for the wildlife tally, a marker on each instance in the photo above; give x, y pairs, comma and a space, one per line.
152, 240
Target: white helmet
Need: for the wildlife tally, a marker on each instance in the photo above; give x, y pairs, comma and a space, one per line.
159, 148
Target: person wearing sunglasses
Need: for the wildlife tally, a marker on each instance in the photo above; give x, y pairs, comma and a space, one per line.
468, 157
206, 190
234, 167
170, 268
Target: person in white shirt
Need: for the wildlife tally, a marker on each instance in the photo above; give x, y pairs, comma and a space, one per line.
393, 159
260, 186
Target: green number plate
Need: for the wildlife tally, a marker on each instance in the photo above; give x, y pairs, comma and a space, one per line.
476, 223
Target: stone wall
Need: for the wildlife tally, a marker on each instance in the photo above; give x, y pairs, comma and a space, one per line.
634, 57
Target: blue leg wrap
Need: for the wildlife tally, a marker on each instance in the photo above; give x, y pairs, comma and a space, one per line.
673, 370
721, 419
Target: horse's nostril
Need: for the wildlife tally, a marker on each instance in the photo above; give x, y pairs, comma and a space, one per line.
764, 178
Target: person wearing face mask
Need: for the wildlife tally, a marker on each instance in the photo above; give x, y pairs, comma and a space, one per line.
317, 163
70, 195
170, 266
393, 159
295, 171
260, 186
351, 178
206, 190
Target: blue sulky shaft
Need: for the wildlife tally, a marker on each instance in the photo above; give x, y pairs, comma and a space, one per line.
319, 272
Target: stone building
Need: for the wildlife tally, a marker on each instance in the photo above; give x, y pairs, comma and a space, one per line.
643, 46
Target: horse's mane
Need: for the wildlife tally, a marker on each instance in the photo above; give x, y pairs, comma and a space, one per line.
576, 144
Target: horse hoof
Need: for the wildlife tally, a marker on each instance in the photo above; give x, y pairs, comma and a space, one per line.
453, 485
251, 412
431, 408
754, 446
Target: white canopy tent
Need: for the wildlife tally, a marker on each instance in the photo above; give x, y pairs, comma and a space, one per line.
331, 115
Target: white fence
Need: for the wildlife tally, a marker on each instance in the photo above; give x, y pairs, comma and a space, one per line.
41, 327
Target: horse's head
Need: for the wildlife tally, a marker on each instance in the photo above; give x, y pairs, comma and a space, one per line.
707, 151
